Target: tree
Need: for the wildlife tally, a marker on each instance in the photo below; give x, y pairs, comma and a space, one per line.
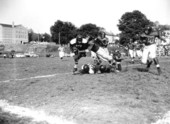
30, 34
161, 27
131, 24
89, 29
62, 32
46, 37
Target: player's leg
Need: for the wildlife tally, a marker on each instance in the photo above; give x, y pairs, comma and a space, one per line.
145, 59
134, 55
102, 54
76, 59
156, 61
139, 54
145, 55
131, 54
93, 55
154, 57
61, 54
107, 51
119, 66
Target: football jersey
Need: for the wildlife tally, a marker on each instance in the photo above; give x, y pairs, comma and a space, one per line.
79, 45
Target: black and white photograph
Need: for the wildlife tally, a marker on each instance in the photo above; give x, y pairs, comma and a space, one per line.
84, 62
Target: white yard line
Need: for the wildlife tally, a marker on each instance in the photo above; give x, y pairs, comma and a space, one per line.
35, 77
37, 116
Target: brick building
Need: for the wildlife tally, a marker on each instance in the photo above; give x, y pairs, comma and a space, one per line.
13, 34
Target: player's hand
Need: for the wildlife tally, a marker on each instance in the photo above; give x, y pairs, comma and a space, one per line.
75, 51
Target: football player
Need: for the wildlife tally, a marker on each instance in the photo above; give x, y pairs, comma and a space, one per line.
79, 46
118, 60
149, 50
131, 50
76, 45
116, 54
102, 41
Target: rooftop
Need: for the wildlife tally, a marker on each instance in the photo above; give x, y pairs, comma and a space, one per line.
8, 25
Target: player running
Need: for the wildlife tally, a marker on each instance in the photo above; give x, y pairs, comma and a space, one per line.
149, 50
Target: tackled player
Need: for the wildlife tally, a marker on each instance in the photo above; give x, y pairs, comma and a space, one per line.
79, 46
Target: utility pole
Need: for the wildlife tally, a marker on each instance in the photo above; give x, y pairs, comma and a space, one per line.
38, 36
59, 38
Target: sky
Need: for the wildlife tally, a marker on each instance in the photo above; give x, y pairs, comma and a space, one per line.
40, 15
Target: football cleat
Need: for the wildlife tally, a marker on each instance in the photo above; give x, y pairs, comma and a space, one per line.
75, 71
159, 70
102, 68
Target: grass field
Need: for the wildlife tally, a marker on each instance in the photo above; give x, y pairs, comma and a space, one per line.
47, 84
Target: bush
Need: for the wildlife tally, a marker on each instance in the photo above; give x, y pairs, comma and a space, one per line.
52, 48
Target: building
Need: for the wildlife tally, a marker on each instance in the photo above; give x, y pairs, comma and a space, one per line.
13, 34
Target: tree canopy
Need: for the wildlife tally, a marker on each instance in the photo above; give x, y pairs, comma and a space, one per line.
131, 24
89, 29
62, 32
32, 36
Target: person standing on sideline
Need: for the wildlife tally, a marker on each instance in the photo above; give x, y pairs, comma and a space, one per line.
61, 51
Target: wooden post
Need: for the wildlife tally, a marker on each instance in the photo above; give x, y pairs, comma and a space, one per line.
59, 38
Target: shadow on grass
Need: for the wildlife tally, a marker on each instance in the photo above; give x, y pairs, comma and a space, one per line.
141, 69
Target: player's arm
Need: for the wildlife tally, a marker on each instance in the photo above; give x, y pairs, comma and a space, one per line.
161, 38
72, 46
104, 41
90, 46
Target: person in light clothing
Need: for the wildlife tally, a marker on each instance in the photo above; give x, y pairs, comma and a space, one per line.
61, 51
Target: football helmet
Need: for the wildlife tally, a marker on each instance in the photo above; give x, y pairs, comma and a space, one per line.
79, 38
85, 68
102, 68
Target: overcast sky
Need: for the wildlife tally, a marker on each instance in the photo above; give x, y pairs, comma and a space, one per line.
41, 14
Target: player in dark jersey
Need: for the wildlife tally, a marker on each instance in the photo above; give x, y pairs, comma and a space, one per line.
102, 41
149, 50
76, 45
